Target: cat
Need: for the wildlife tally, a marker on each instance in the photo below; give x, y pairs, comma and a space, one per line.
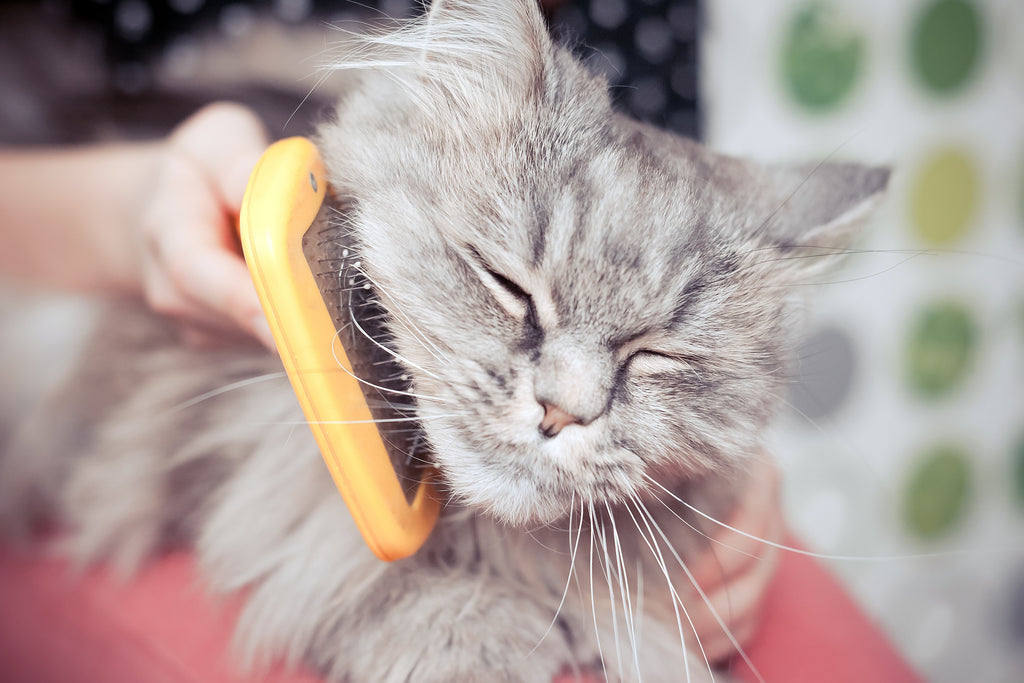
595, 317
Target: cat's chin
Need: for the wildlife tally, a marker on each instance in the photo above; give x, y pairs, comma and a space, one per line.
533, 480
525, 508
521, 498
513, 499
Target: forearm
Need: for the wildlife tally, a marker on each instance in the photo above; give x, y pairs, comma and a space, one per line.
67, 215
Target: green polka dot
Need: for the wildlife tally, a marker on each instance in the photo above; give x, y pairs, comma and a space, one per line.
946, 43
822, 56
937, 492
940, 349
1018, 471
944, 197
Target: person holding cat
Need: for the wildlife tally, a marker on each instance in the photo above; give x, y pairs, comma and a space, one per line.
157, 220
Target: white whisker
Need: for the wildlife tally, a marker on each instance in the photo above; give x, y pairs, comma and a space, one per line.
677, 601
376, 343
627, 603
399, 315
225, 389
572, 567
808, 553
611, 599
593, 603
714, 613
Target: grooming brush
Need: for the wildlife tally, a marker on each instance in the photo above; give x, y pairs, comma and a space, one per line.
326, 323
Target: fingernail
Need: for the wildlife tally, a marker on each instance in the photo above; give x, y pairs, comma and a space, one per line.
261, 328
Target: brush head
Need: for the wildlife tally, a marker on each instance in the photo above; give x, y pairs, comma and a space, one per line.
360, 320
329, 329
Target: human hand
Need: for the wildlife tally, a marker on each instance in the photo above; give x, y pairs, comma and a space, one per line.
190, 266
735, 569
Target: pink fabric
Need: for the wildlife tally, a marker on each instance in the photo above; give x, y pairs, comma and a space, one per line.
811, 632
159, 627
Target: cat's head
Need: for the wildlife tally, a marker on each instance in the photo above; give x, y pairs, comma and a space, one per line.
587, 303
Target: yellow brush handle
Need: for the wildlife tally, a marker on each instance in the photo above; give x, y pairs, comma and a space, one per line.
281, 201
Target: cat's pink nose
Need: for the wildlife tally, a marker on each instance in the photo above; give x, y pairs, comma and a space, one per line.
555, 419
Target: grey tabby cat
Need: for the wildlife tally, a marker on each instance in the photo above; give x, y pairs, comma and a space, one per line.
595, 318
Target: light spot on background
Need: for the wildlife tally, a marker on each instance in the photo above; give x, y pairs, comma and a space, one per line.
934, 631
608, 13
133, 19
654, 39
823, 518
293, 10
185, 6
236, 20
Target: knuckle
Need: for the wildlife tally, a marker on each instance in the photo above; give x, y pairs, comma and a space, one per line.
162, 301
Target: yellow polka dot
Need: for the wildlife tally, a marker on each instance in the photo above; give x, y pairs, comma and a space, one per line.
944, 197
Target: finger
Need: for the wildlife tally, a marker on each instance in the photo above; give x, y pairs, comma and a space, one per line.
737, 606
219, 282
717, 646
199, 336
192, 245
737, 603
732, 551
166, 298
225, 140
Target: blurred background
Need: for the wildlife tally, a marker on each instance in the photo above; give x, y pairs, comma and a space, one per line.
903, 440
905, 433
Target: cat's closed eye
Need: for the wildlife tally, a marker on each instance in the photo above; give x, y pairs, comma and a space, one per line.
653, 360
512, 297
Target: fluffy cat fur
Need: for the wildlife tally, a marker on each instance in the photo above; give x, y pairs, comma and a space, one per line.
537, 254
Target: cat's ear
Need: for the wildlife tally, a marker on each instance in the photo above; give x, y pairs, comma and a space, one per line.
814, 212
480, 51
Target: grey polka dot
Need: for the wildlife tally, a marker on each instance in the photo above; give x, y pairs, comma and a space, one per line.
133, 19
823, 374
182, 57
185, 6
293, 10
396, 8
654, 39
648, 95
682, 18
573, 20
608, 13
684, 81
1015, 607
607, 61
236, 20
